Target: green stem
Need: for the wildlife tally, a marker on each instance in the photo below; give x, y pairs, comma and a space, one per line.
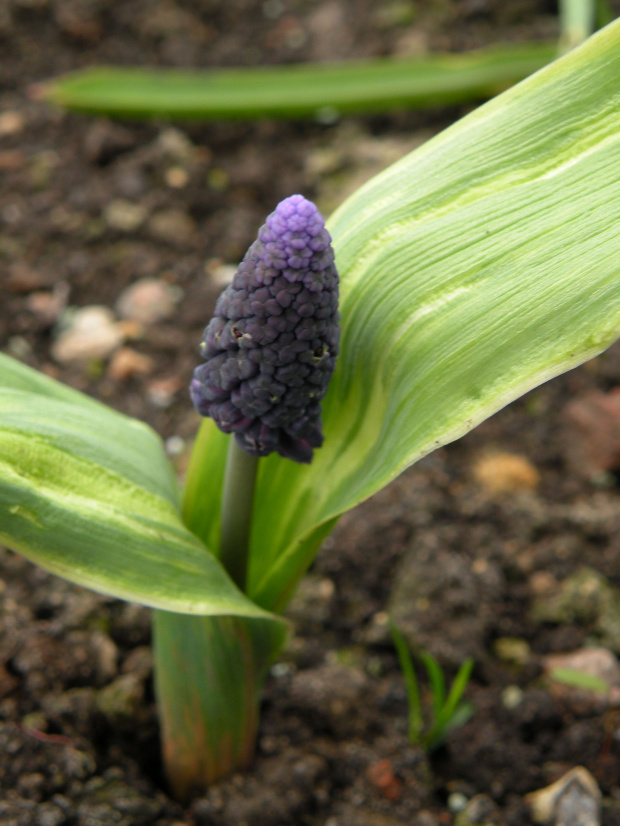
237, 503
210, 671
577, 21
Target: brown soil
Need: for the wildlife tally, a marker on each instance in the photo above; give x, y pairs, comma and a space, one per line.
474, 550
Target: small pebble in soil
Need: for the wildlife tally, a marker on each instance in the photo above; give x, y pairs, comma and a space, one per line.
176, 177
161, 392
598, 663
11, 123
175, 145
124, 216
573, 800
127, 363
382, 776
148, 300
175, 445
592, 423
89, 333
512, 650
47, 305
219, 274
505, 473
19, 347
457, 802
479, 811
512, 696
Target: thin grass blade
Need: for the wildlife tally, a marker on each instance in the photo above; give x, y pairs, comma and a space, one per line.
446, 717
437, 681
411, 685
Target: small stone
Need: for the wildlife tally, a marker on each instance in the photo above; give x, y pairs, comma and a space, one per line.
505, 473
124, 216
132, 330
148, 300
19, 347
593, 422
127, 363
511, 650
457, 802
11, 123
175, 145
173, 226
512, 696
382, 776
105, 655
11, 158
279, 670
161, 392
23, 279
47, 306
479, 811
573, 800
92, 334
49, 814
176, 177
599, 663
220, 275
175, 445
542, 582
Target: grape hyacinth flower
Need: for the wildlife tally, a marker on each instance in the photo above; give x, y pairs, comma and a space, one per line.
271, 346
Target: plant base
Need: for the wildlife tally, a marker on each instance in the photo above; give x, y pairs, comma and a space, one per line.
209, 676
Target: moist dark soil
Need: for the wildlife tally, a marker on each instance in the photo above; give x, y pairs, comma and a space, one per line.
504, 546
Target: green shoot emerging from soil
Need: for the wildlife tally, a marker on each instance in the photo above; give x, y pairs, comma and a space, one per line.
447, 712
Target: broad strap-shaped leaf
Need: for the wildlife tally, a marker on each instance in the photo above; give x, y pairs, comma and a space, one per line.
88, 494
477, 267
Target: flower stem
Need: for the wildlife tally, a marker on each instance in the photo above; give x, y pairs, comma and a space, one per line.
237, 503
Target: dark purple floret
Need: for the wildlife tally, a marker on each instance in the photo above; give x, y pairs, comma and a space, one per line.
271, 346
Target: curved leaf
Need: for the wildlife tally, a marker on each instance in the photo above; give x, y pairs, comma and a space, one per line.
477, 267
88, 494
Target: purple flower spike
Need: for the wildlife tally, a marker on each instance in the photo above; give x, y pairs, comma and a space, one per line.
271, 347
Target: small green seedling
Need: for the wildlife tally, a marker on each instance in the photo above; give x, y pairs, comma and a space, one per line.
447, 712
